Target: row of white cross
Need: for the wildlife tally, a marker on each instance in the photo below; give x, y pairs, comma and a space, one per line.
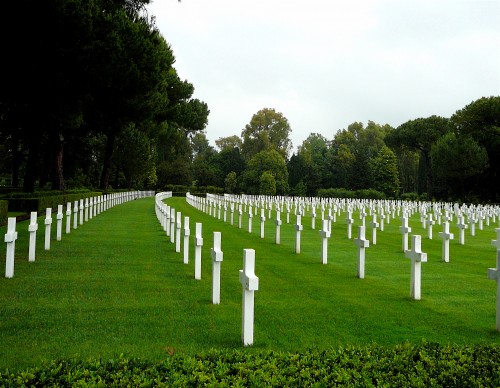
170, 221
442, 213
82, 211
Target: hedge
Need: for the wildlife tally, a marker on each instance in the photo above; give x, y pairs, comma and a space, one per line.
4, 209
344, 193
405, 365
43, 201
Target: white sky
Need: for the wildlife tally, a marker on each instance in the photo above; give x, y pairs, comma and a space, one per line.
325, 64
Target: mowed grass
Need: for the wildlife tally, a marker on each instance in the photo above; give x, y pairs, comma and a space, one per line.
116, 286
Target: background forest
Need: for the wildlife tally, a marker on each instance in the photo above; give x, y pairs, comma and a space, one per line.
90, 98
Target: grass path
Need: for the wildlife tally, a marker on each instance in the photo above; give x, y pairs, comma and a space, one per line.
116, 286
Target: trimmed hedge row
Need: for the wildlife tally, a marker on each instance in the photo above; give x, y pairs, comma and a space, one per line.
344, 193
405, 365
4, 210
42, 202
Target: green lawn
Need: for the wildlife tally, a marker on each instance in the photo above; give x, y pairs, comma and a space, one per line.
115, 285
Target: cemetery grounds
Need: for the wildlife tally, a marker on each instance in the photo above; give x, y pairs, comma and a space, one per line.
116, 287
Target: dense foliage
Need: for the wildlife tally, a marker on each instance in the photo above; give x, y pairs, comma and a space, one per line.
92, 100
423, 365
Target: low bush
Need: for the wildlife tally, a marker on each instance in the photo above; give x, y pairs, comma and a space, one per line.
405, 365
41, 200
4, 209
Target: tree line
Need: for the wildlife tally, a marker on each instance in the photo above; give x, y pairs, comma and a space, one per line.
454, 158
90, 98
88, 94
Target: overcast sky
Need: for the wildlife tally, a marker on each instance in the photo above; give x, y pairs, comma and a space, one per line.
325, 64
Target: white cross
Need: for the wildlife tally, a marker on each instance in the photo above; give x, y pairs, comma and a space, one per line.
187, 233
461, 225
250, 284
59, 218
198, 243
172, 225
446, 236
374, 224
313, 218
167, 213
178, 232
75, 215
217, 257
405, 229
10, 238
32, 228
325, 235
417, 257
48, 226
68, 218
496, 242
429, 222
278, 227
262, 222
349, 220
250, 216
298, 228
361, 243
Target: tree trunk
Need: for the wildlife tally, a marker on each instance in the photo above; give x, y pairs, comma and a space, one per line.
106, 168
57, 167
16, 161
32, 163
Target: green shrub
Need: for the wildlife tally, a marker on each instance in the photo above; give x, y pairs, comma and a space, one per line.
336, 193
4, 209
40, 201
405, 365
369, 194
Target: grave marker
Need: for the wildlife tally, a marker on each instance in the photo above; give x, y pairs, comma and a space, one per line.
217, 257
496, 242
187, 233
361, 243
298, 228
429, 222
405, 230
325, 235
417, 257
48, 227
278, 227
75, 215
178, 232
250, 284
32, 228
461, 225
68, 218
59, 218
349, 220
10, 239
198, 243
446, 236
81, 211
172, 225
374, 224
262, 223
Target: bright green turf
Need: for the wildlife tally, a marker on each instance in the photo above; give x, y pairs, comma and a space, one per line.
115, 285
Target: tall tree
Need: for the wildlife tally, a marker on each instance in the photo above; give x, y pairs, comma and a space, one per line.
455, 159
481, 120
421, 134
385, 172
313, 151
270, 161
229, 142
267, 130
